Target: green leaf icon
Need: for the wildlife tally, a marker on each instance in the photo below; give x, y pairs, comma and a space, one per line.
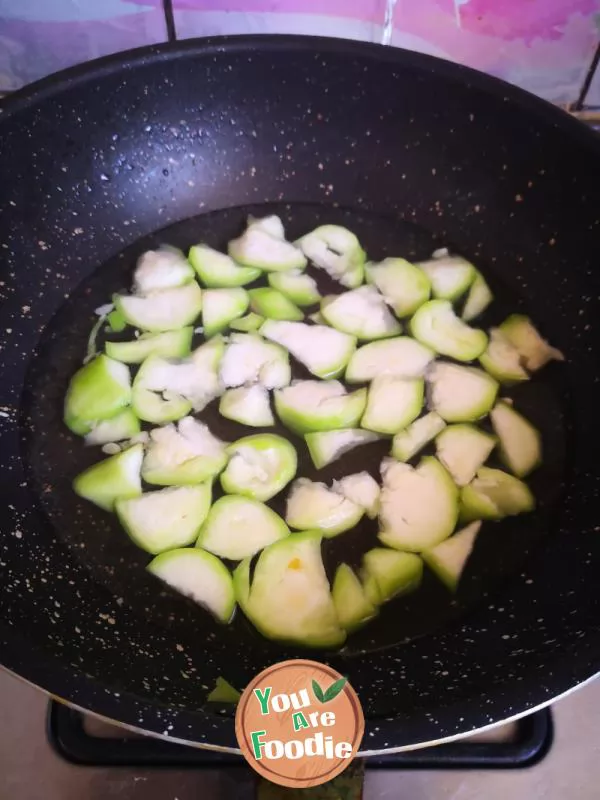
329, 694
318, 692
334, 689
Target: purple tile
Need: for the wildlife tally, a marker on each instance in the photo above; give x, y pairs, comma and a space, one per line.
43, 36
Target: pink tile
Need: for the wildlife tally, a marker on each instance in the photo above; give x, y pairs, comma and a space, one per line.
544, 46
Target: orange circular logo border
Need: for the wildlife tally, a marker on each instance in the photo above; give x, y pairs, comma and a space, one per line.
351, 706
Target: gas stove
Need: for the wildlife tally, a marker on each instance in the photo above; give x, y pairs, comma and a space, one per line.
570, 768
85, 740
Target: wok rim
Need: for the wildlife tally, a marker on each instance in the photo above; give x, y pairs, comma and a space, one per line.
27, 661
78, 73
407, 748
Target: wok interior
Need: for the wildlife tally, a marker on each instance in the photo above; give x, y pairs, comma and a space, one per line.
55, 456
318, 137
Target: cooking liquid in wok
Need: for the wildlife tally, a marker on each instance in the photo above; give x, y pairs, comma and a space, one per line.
55, 456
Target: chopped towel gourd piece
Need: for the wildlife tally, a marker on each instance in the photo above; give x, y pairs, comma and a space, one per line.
449, 558
169, 344
298, 287
494, 494
520, 443
238, 527
460, 394
327, 446
502, 360
323, 350
336, 250
352, 606
436, 325
313, 505
400, 357
96, 392
166, 310
534, 350
391, 573
220, 307
183, 455
198, 575
248, 359
114, 478
262, 246
248, 324
167, 518
259, 466
463, 449
361, 312
289, 598
219, 271
478, 299
248, 405
153, 398
450, 276
122, 426
223, 692
272, 304
418, 506
404, 286
165, 268
362, 489
271, 225
393, 403
166, 390
116, 322
308, 406
408, 442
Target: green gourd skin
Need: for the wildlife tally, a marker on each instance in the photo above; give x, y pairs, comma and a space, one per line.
391, 358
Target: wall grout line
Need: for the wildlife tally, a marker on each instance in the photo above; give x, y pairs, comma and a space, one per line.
170, 20
587, 82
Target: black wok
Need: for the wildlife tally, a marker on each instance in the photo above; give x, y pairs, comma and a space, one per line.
411, 153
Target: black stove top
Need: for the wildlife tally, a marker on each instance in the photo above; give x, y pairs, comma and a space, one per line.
67, 732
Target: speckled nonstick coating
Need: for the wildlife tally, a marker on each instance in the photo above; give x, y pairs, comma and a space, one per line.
412, 152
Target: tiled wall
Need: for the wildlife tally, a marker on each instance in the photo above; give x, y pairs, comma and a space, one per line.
593, 96
38, 37
545, 46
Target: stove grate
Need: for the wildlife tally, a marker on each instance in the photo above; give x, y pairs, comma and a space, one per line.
67, 733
